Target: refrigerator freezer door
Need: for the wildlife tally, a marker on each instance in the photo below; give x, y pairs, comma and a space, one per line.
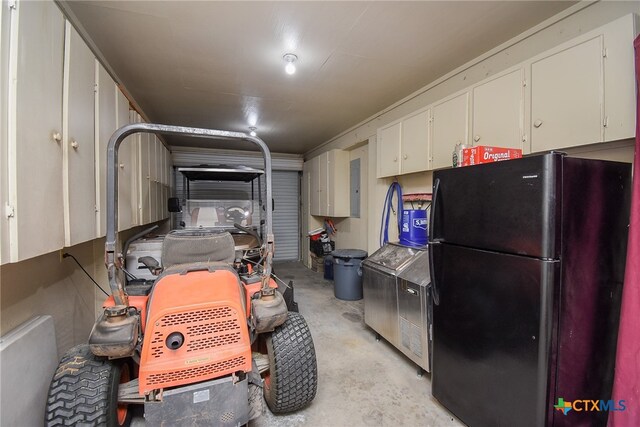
492, 335
510, 206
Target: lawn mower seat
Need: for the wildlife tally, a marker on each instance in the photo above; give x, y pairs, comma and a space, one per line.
187, 247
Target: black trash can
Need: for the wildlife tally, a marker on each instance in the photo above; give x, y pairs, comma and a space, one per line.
347, 274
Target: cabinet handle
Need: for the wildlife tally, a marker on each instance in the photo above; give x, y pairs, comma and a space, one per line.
74, 144
412, 291
395, 159
56, 136
121, 165
404, 157
476, 138
537, 123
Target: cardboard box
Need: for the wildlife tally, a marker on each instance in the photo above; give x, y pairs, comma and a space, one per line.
485, 154
317, 263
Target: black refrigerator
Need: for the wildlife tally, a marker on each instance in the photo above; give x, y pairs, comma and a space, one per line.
527, 262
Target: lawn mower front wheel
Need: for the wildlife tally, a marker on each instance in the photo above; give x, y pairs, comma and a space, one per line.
84, 390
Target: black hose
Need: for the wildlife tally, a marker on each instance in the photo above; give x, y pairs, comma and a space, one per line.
66, 254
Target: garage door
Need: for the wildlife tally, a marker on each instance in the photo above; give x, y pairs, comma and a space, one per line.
286, 215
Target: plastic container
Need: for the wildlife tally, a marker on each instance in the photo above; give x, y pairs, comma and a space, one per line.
414, 228
328, 267
347, 273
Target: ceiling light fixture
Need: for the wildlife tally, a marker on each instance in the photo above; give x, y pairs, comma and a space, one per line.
253, 130
290, 59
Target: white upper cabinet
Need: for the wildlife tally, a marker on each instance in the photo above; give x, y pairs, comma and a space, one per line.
323, 182
450, 125
143, 184
567, 97
403, 146
35, 205
78, 140
338, 202
498, 111
105, 126
126, 170
388, 149
619, 79
583, 92
414, 145
153, 177
329, 184
314, 186
5, 26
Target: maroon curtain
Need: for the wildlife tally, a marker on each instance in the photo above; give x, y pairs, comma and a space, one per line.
626, 384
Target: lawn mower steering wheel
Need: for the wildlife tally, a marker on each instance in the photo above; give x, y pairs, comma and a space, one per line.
236, 214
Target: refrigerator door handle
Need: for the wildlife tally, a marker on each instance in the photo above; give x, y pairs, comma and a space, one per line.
434, 199
433, 242
434, 288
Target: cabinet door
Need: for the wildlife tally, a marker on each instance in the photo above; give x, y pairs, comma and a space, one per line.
78, 112
414, 146
314, 186
125, 167
619, 79
498, 111
566, 97
134, 141
144, 184
388, 148
449, 126
105, 126
338, 183
5, 26
35, 130
162, 202
323, 183
153, 178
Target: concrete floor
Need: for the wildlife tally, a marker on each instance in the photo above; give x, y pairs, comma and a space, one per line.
362, 382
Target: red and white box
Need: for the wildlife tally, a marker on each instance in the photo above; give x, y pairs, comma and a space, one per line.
485, 154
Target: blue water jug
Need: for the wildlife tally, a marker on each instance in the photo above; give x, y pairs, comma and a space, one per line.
414, 228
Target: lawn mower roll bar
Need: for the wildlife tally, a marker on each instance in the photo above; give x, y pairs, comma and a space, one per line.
114, 260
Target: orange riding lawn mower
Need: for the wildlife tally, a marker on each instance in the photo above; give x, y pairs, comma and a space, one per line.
207, 342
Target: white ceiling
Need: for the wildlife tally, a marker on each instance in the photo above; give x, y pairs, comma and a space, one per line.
219, 64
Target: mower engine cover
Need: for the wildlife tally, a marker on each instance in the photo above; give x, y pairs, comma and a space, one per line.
196, 328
